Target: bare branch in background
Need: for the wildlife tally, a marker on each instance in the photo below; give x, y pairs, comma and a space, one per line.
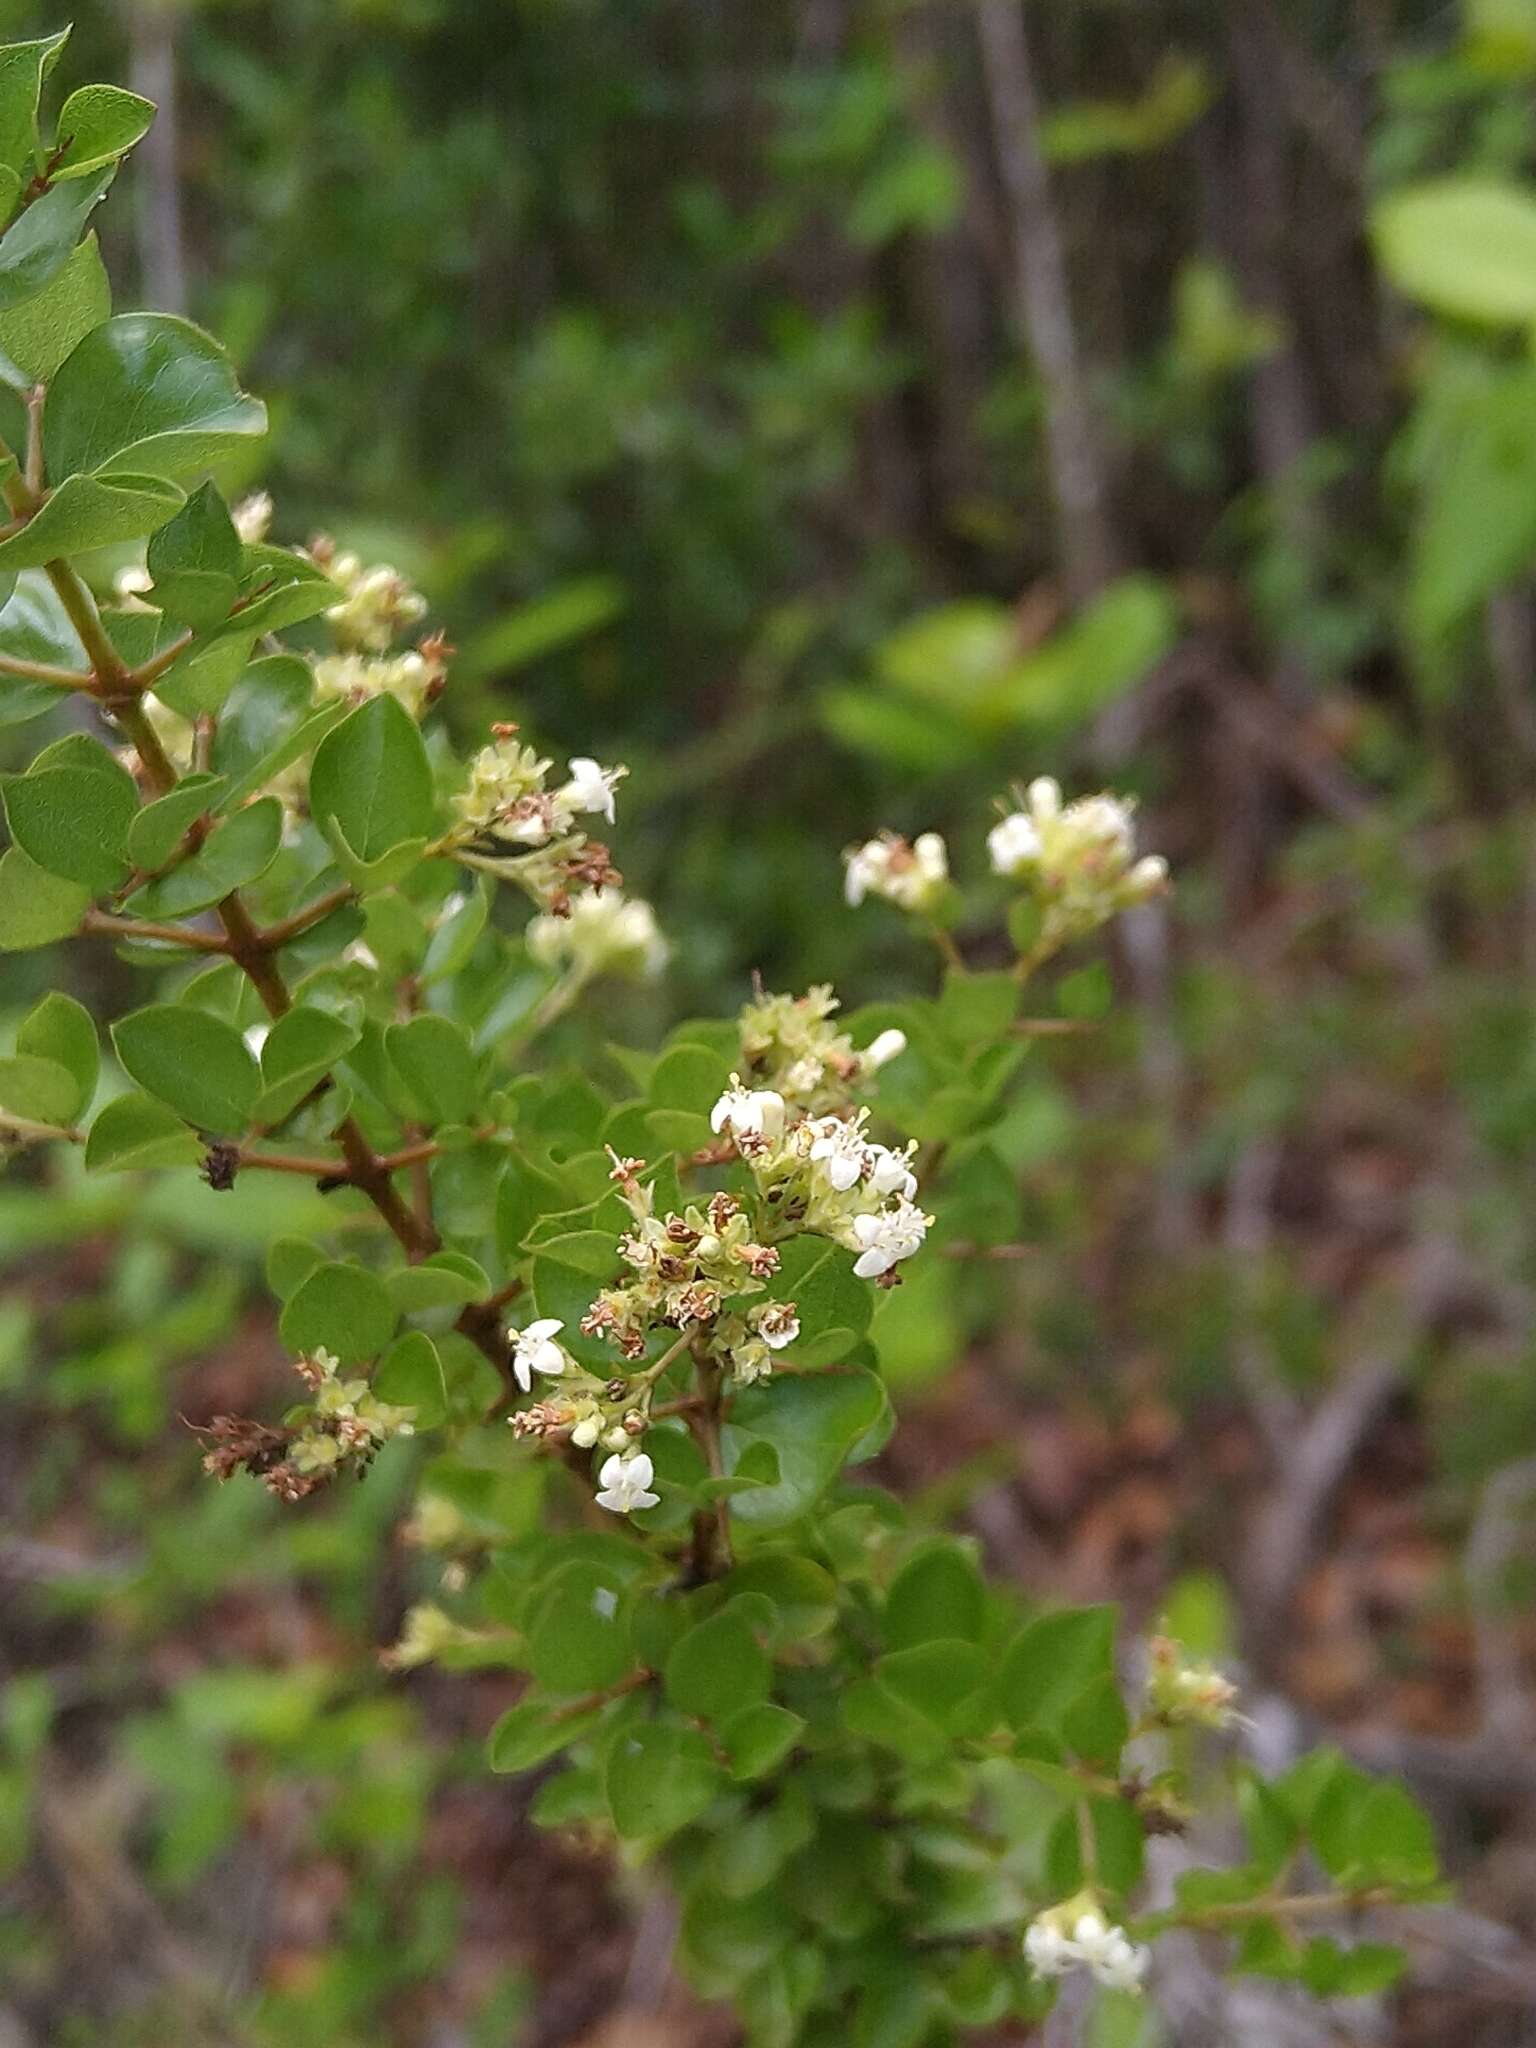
1078, 482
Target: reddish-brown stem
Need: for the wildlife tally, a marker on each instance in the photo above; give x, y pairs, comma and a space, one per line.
309, 1167
287, 929
103, 925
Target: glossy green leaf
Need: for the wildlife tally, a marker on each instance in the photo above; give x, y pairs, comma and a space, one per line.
61, 1029
410, 1374
812, 1422
300, 1049
938, 1593
445, 1280
339, 1308
195, 560
145, 392
238, 850
34, 627
97, 125
534, 1730
38, 1089
159, 828
195, 1062
36, 907
1053, 1661
89, 512
718, 1669
372, 779
434, 1059
38, 332
759, 1738
23, 67
660, 1778
74, 821
134, 1132
38, 244
578, 1639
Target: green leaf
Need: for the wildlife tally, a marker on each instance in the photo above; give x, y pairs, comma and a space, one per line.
532, 1732
200, 678
371, 778
802, 1593
1053, 1661
23, 67
812, 1423
97, 125
290, 1261
36, 247
300, 1049
935, 1678
39, 332
976, 1007
1096, 1723
36, 907
433, 1057
34, 626
133, 1132
339, 1308
718, 1669
38, 1090
61, 1029
145, 391
195, 560
263, 711
237, 851
1464, 245
453, 939
445, 1280
85, 512
834, 1307
410, 1374
759, 1738
74, 820
159, 828
578, 1635
660, 1779
937, 1593
195, 1062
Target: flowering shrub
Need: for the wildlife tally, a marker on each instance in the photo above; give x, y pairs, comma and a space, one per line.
628, 1327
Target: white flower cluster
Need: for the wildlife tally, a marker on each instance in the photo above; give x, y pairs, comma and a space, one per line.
1054, 1944
604, 932
1084, 851
913, 875
1181, 1692
377, 604
506, 799
852, 1189
345, 1418
414, 678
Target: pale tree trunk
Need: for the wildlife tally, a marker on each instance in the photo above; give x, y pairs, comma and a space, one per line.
152, 68
1044, 306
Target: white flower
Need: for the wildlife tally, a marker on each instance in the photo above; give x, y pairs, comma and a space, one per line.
888, 1046
535, 1350
778, 1325
1013, 845
604, 934
1109, 1953
839, 1147
625, 1484
750, 1112
252, 517
591, 786
587, 1431
912, 877
888, 1172
885, 1239
1047, 1950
